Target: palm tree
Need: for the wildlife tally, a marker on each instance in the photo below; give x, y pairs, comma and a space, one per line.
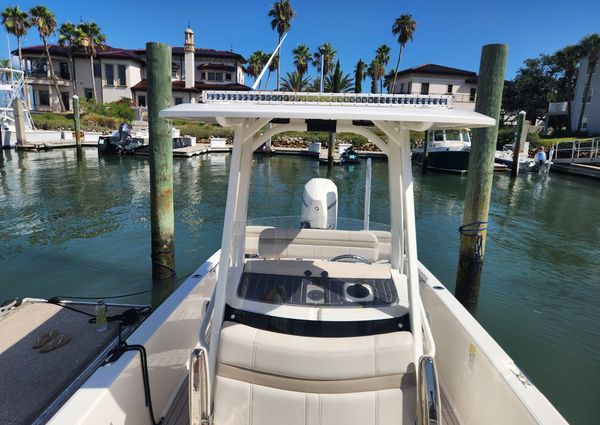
293, 81
382, 54
591, 48
359, 75
17, 23
273, 66
403, 28
338, 82
45, 21
4, 63
256, 63
92, 39
69, 37
325, 53
388, 80
282, 14
375, 71
301, 58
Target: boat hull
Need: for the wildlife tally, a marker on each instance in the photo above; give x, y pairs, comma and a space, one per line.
480, 381
445, 161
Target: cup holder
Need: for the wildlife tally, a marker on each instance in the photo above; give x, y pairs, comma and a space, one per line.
358, 292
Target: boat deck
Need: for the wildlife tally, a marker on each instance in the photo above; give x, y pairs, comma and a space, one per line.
31, 380
178, 414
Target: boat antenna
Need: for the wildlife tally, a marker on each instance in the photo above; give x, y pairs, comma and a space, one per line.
262, 73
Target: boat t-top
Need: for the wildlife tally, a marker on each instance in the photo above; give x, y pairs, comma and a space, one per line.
314, 319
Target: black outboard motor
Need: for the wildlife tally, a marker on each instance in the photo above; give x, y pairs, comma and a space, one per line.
124, 134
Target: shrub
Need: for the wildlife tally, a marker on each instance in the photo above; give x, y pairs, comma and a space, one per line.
203, 131
51, 121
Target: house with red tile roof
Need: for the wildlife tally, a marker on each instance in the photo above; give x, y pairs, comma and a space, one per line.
115, 73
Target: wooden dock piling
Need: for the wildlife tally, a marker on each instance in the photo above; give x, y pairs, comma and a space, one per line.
19, 122
161, 162
520, 139
76, 121
479, 179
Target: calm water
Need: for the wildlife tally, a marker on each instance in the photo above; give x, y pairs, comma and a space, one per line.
82, 228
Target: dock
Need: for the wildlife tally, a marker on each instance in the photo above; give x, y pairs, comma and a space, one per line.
584, 170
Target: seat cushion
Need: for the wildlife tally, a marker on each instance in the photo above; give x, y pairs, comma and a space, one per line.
316, 243
313, 357
242, 403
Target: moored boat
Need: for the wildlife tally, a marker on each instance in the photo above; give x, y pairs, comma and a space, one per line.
314, 319
447, 150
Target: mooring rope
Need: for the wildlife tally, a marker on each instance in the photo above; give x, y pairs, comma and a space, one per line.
475, 229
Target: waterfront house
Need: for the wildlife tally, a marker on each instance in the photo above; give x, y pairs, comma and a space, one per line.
591, 115
590, 122
121, 73
438, 79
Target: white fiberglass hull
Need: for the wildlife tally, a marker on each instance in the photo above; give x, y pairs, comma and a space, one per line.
480, 381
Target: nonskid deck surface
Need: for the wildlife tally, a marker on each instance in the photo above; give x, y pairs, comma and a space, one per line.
178, 413
31, 380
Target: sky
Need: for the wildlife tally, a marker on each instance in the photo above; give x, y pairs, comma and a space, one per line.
449, 33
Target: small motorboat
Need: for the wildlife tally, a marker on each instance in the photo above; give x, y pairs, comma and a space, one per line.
349, 156
121, 142
447, 150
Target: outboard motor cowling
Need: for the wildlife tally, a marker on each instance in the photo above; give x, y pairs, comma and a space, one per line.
319, 204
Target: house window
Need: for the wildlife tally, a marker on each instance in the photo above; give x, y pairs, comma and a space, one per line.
109, 73
588, 99
424, 88
215, 76
409, 88
472, 95
97, 70
44, 98
228, 76
64, 71
402, 88
121, 73
584, 122
204, 77
65, 98
178, 100
141, 101
88, 93
449, 91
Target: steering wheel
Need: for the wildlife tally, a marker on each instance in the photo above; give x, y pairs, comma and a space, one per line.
356, 258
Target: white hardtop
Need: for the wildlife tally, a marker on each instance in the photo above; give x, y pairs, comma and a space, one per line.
416, 112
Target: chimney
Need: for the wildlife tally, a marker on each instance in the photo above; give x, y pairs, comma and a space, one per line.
190, 50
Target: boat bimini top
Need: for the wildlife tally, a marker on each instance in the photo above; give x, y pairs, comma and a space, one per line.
310, 264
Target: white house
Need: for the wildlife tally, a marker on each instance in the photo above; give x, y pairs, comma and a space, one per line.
121, 73
591, 111
438, 79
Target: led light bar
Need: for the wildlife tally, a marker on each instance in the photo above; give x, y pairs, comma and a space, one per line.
337, 99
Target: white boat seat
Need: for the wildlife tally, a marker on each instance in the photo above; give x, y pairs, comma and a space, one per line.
316, 358
384, 240
268, 378
316, 243
385, 244
241, 403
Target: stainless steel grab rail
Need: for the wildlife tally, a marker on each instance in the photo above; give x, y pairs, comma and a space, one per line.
428, 393
199, 386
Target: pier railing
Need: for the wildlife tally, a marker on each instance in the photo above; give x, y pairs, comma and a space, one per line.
585, 151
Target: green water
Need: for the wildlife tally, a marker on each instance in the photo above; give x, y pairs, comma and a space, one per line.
71, 227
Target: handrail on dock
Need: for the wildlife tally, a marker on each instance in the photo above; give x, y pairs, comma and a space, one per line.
578, 151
